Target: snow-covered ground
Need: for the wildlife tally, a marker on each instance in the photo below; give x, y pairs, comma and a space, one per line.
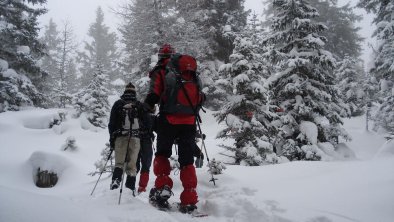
358, 189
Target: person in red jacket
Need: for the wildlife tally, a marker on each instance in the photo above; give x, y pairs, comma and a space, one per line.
174, 122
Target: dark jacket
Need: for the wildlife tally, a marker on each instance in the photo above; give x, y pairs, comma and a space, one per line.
116, 116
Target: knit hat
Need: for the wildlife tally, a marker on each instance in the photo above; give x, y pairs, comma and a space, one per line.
129, 93
129, 88
166, 51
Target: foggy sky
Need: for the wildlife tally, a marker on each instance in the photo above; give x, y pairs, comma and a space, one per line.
81, 13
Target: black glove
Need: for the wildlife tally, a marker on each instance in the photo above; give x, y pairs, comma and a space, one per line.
203, 136
112, 143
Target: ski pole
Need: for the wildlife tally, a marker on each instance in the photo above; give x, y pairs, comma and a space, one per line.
109, 157
206, 153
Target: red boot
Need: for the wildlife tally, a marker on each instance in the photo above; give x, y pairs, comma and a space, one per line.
144, 178
189, 183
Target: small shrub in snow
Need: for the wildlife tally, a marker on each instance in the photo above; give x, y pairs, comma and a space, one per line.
100, 164
58, 119
70, 144
216, 167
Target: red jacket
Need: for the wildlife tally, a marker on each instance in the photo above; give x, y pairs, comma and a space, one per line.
156, 90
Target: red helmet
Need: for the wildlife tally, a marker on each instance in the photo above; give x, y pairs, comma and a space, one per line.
166, 51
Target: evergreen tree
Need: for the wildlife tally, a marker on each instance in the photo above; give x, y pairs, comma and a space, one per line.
100, 164
19, 52
59, 63
49, 63
304, 84
228, 17
246, 115
342, 34
144, 29
93, 100
350, 77
101, 50
65, 78
343, 38
383, 69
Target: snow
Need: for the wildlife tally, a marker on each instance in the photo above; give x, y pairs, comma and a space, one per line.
227, 28
308, 132
118, 82
347, 190
3, 65
25, 50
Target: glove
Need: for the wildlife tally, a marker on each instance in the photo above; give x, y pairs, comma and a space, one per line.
112, 143
199, 162
203, 136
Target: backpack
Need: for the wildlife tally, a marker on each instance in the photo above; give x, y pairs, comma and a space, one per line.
182, 92
129, 114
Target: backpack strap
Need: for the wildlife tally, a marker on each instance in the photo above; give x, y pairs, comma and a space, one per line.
194, 108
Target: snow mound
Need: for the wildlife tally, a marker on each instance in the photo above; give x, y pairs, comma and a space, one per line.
344, 151
3, 65
48, 161
43, 120
86, 125
308, 132
387, 150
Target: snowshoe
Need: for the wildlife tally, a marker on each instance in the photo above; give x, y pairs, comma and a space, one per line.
115, 184
187, 209
158, 198
191, 210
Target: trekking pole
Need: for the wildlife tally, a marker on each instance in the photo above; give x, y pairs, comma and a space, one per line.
198, 120
109, 157
124, 168
206, 153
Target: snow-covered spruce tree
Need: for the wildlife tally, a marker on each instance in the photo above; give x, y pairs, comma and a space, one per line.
245, 114
144, 28
304, 84
70, 144
19, 51
343, 37
100, 50
93, 100
49, 62
216, 167
342, 34
383, 69
228, 17
350, 76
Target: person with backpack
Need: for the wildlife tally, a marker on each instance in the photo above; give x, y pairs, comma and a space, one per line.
123, 129
175, 86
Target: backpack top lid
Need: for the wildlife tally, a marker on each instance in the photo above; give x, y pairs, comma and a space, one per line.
187, 63
166, 51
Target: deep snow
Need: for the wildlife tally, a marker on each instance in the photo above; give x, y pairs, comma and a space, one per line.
356, 189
